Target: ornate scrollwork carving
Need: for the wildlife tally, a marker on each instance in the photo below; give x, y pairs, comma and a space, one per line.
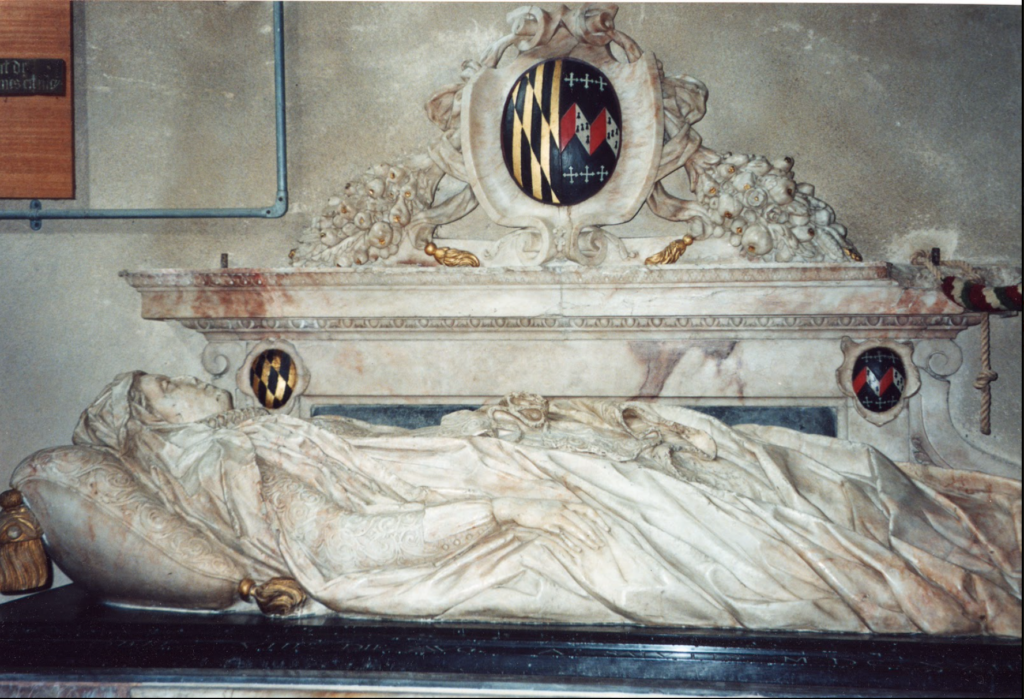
758, 204
220, 357
938, 358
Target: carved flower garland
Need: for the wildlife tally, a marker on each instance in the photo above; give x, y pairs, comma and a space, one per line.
763, 210
366, 222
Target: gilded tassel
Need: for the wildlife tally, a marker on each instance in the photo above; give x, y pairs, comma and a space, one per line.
450, 257
277, 596
24, 565
671, 254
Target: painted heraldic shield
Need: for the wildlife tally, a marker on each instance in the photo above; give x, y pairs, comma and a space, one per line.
273, 377
879, 378
561, 131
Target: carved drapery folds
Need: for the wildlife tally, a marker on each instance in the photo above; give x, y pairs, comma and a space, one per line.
755, 203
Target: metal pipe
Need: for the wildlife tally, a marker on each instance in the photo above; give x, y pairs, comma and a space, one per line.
277, 209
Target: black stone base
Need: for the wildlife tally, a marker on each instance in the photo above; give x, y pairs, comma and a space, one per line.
65, 636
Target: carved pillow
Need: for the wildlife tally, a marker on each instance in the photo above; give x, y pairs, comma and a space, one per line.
110, 535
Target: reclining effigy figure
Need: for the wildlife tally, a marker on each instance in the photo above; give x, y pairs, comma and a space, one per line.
528, 510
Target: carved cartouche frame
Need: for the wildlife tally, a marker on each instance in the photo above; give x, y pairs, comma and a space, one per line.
844, 375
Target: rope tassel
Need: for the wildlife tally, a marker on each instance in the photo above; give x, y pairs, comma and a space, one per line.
985, 377
977, 297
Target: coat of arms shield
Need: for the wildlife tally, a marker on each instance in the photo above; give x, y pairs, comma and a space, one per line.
560, 131
560, 155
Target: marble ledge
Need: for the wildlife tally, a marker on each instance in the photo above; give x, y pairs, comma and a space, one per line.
434, 276
568, 298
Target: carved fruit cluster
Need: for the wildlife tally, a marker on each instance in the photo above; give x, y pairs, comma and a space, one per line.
367, 220
765, 213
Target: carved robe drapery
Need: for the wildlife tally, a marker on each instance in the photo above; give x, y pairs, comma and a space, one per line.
708, 525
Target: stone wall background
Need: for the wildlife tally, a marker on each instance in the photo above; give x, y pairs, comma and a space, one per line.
906, 118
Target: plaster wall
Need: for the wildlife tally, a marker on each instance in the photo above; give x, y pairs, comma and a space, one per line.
906, 118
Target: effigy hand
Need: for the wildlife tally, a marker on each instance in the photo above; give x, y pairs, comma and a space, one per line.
576, 524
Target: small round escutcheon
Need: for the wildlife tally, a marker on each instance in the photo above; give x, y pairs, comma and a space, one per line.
273, 376
879, 379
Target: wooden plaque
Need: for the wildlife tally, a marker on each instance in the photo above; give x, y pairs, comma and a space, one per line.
37, 152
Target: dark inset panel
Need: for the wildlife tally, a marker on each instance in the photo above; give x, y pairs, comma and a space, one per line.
809, 420
408, 416
804, 419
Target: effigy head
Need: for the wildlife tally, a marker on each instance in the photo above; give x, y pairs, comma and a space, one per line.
156, 398
150, 399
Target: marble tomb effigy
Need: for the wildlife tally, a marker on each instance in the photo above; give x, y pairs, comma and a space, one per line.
609, 501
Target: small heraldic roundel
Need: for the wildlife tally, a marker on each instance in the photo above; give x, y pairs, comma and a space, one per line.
273, 376
561, 131
879, 378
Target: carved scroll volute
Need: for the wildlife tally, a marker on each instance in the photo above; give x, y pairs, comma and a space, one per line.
24, 565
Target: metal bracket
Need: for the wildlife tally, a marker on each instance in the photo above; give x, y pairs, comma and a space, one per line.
35, 206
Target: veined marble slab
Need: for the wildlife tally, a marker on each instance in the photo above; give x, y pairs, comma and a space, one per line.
784, 298
747, 334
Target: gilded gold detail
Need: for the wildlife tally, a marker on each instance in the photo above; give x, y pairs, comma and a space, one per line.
450, 257
540, 162
853, 254
24, 564
517, 141
554, 117
277, 596
246, 588
671, 254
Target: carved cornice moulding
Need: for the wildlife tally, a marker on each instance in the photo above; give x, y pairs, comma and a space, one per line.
869, 300
775, 325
